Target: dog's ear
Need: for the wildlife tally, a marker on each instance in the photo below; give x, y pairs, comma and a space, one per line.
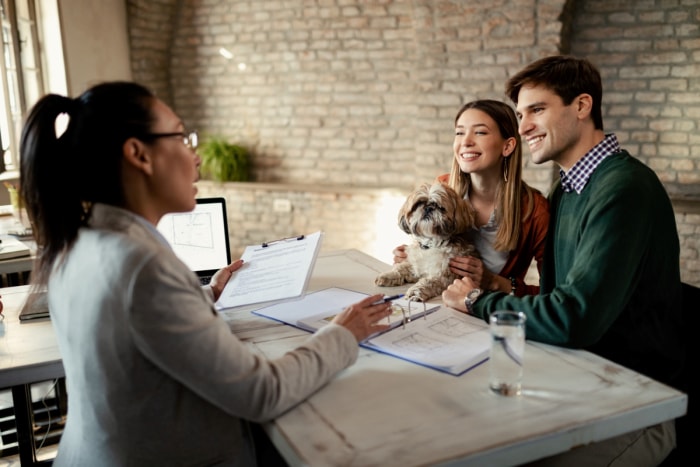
413, 201
403, 225
405, 213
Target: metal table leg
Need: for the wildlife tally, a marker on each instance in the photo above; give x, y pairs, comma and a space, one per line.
24, 419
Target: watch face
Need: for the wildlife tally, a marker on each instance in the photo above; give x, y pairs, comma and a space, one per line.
471, 297
473, 294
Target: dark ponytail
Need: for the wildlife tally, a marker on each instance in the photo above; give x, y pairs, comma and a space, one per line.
48, 184
63, 173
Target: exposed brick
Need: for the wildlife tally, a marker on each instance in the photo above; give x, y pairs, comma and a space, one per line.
362, 95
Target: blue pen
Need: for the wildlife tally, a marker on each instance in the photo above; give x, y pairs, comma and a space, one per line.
388, 299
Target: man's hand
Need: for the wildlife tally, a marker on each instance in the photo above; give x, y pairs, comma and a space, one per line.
456, 292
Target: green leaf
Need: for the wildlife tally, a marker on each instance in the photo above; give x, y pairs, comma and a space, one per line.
223, 161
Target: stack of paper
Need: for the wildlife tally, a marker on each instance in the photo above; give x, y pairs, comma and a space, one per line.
10, 248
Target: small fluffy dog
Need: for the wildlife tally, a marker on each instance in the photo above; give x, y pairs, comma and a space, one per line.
438, 221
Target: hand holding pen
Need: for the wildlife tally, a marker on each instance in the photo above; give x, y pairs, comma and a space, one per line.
388, 299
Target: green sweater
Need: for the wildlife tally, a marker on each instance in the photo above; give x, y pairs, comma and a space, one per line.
610, 282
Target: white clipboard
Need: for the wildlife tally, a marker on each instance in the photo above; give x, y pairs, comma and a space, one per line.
274, 270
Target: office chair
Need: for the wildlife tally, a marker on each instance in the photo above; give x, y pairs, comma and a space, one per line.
684, 444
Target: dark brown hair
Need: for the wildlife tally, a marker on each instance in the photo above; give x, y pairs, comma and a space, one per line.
567, 76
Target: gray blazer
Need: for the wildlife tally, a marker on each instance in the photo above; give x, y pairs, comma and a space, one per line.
154, 376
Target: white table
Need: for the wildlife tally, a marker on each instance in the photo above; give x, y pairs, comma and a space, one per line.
386, 411
28, 354
15, 265
28, 350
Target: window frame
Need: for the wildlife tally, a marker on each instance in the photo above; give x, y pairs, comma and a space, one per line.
20, 35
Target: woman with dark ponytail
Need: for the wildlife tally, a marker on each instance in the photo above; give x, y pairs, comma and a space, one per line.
154, 375
61, 168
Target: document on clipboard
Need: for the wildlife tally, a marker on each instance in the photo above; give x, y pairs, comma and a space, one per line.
274, 270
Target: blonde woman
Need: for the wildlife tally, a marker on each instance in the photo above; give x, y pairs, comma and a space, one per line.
511, 216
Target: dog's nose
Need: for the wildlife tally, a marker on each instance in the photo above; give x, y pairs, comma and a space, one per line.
428, 210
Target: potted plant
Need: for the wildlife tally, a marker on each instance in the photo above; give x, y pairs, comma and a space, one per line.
223, 161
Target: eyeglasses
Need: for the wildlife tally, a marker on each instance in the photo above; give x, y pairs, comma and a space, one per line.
190, 139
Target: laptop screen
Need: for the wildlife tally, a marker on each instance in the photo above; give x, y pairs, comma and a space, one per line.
200, 238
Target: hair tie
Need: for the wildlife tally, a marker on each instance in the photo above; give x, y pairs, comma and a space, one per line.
60, 125
63, 119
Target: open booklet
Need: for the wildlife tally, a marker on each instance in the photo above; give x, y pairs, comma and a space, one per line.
274, 270
433, 336
445, 340
403, 313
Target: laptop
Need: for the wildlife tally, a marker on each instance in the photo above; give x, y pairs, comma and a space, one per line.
200, 238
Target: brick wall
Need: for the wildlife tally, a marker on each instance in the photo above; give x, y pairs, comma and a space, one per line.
360, 218
340, 100
649, 55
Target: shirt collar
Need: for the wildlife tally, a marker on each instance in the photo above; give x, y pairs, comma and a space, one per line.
105, 216
577, 177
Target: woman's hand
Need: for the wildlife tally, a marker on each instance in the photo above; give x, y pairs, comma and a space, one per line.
456, 292
400, 254
473, 268
362, 318
221, 277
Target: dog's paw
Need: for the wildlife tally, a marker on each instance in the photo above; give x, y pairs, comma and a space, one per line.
418, 293
389, 279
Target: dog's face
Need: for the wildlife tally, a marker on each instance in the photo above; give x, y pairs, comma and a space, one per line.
435, 213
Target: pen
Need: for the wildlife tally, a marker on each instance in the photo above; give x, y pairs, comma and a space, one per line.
388, 299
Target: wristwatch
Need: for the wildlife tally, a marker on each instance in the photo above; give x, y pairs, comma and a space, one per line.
471, 298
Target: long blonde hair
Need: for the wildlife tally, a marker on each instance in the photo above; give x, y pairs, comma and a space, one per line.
511, 188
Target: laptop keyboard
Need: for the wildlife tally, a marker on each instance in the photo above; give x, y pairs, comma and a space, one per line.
204, 280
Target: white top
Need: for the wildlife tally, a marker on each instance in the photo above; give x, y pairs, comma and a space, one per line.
484, 238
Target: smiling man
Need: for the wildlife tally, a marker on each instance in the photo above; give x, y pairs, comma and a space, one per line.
610, 282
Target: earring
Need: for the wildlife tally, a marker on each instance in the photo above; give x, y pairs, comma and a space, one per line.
505, 170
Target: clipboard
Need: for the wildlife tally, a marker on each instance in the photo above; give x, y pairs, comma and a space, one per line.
274, 270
